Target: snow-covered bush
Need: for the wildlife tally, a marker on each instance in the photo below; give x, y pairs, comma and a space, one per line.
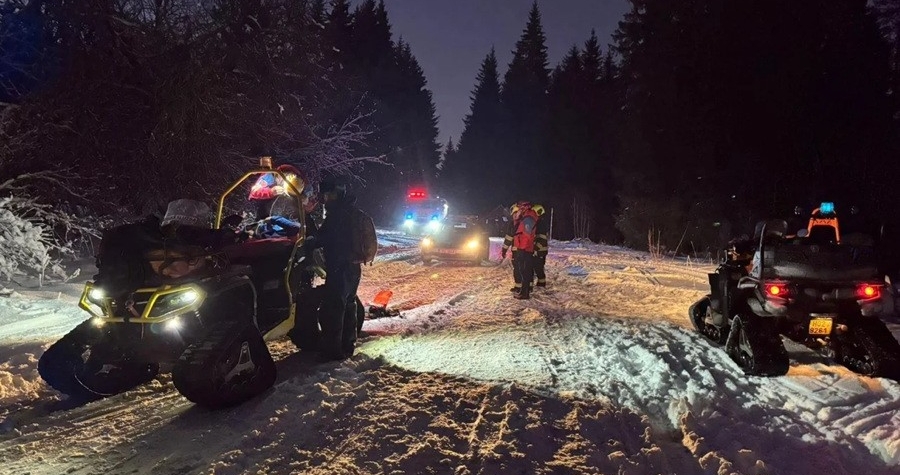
27, 247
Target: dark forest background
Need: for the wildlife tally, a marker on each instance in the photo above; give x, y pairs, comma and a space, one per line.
700, 118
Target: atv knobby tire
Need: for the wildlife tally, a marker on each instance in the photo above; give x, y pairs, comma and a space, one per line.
870, 349
226, 367
755, 345
82, 367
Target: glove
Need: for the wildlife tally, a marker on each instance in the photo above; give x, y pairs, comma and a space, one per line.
503, 253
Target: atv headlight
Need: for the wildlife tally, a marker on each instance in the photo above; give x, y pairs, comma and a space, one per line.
172, 302
93, 300
96, 296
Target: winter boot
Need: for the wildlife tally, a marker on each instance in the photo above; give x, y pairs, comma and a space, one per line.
525, 293
516, 289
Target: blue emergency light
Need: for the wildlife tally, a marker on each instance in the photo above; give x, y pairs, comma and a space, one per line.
826, 207
409, 216
434, 217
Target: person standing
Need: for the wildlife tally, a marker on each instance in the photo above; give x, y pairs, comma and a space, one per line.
508, 246
541, 247
522, 241
338, 311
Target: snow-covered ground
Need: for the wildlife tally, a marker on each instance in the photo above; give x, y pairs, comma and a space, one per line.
600, 373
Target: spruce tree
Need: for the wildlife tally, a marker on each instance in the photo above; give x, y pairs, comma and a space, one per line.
475, 173
524, 98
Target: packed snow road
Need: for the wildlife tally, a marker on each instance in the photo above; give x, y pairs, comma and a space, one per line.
598, 374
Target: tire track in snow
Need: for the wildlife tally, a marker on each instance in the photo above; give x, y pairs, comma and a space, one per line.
692, 390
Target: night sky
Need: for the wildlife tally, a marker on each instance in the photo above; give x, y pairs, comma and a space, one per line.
450, 38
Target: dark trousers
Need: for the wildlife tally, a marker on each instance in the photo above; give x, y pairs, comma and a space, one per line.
338, 313
517, 278
539, 262
523, 264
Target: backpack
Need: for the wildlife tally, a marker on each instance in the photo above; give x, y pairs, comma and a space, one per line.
364, 243
526, 230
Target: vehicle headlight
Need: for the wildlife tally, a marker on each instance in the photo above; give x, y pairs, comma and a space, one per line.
173, 325
176, 302
473, 244
93, 300
96, 295
427, 242
434, 225
409, 223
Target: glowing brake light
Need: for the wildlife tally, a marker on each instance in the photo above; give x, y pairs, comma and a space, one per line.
776, 290
868, 291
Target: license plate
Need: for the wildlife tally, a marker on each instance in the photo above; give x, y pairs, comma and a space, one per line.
820, 326
447, 251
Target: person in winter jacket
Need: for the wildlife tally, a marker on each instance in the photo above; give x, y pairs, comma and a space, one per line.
522, 238
338, 312
508, 247
541, 247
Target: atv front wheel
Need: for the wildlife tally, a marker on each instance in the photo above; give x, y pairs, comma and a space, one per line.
85, 367
869, 349
228, 366
699, 313
755, 345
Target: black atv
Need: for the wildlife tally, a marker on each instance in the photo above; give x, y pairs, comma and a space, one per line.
813, 287
201, 301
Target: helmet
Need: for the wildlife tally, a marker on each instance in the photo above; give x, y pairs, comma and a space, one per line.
514, 209
538, 209
292, 176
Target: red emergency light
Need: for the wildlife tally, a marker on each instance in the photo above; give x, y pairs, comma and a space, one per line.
416, 194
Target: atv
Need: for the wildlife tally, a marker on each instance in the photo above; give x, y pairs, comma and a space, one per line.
202, 303
815, 287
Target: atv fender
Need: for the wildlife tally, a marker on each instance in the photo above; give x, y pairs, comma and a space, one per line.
232, 299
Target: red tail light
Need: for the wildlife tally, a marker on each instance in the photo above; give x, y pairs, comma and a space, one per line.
776, 290
868, 291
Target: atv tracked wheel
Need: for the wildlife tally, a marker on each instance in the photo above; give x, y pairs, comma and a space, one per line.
699, 313
870, 349
81, 366
230, 365
755, 345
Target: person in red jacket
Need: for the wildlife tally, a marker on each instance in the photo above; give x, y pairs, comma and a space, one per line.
522, 238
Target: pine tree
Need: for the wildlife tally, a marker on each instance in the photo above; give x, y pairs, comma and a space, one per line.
474, 172
719, 92
524, 98
338, 35
417, 132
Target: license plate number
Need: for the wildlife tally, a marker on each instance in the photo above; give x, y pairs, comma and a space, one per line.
447, 251
820, 326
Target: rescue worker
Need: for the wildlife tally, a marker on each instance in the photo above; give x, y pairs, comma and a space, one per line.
338, 311
522, 240
508, 245
541, 246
